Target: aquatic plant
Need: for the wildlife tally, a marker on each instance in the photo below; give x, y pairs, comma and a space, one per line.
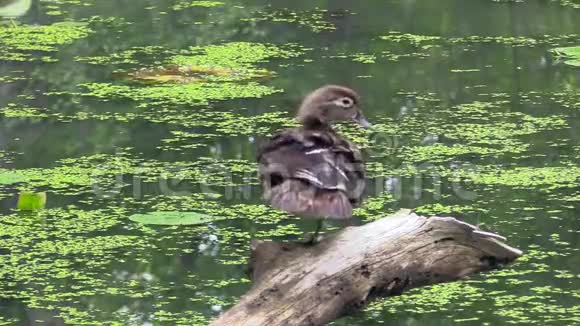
568, 3
10, 78
314, 19
18, 43
191, 94
425, 42
376, 207
173, 218
30, 201
413, 39
439, 209
91, 173
200, 74
571, 55
236, 60
62, 7
128, 56
183, 4
551, 177
170, 70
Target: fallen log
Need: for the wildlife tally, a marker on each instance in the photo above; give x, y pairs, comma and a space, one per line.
296, 284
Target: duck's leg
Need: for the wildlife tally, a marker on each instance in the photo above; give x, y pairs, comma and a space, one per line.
314, 237
319, 224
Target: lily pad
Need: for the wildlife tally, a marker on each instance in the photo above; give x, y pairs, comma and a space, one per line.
570, 54
30, 201
174, 218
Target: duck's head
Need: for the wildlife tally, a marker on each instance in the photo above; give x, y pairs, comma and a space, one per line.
331, 103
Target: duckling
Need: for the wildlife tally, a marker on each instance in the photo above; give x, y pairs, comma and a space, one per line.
311, 171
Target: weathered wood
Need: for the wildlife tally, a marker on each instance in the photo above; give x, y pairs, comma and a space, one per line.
301, 285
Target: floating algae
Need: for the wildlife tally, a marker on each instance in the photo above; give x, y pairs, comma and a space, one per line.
315, 19
183, 4
20, 43
512, 124
198, 75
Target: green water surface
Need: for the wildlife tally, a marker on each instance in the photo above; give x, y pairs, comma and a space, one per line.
116, 108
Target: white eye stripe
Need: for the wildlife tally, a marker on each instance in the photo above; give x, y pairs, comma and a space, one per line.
345, 102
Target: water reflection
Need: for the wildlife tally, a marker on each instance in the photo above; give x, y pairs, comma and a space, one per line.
14, 8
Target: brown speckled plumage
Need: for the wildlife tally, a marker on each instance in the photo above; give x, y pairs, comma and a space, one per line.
311, 171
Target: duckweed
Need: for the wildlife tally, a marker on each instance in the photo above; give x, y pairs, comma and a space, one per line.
551, 177
173, 218
11, 78
447, 210
443, 153
376, 207
185, 94
477, 128
72, 236
183, 4
11, 110
518, 304
425, 42
61, 7
17, 43
211, 70
364, 58
127, 56
230, 123
429, 300
138, 82
233, 61
416, 40
315, 19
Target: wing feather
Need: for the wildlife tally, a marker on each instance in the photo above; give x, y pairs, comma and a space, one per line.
312, 173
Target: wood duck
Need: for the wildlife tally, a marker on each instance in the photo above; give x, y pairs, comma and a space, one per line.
311, 171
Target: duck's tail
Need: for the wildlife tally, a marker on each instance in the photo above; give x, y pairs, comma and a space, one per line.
301, 198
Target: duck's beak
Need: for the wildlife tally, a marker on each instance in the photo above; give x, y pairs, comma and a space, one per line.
361, 120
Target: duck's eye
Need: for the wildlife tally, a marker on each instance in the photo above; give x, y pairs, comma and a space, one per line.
345, 102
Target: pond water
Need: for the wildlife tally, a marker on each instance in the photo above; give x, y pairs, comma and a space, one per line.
116, 108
